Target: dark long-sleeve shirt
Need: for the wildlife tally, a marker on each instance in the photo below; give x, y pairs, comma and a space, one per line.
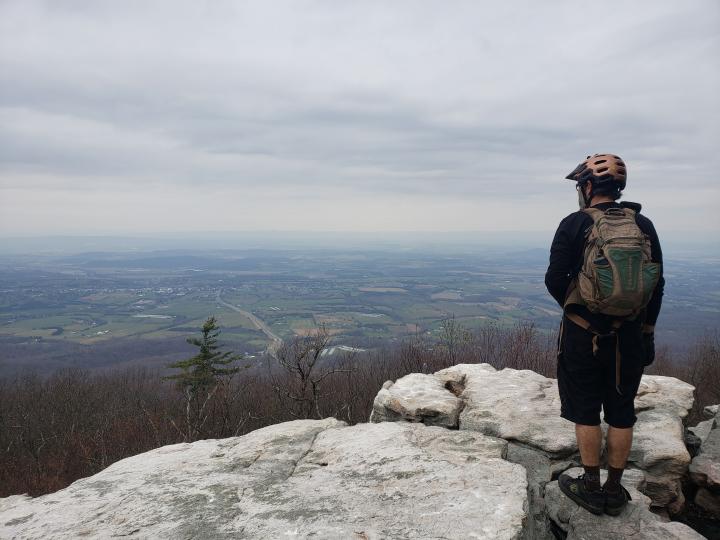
566, 257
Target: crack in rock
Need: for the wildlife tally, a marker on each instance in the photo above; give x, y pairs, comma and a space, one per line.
304, 455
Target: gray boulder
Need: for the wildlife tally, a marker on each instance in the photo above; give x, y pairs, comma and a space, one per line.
711, 411
702, 430
516, 405
659, 450
417, 398
541, 469
307, 478
705, 470
636, 521
658, 442
667, 393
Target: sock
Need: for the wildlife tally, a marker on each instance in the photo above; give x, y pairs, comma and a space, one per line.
592, 477
612, 484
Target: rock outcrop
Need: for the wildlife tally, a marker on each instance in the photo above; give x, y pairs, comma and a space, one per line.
306, 478
705, 467
524, 407
658, 439
409, 397
517, 405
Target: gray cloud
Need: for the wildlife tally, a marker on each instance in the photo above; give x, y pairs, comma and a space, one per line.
403, 106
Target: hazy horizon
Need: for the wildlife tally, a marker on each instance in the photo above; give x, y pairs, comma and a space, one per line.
675, 244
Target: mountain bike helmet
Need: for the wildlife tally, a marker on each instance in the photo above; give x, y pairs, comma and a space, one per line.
601, 170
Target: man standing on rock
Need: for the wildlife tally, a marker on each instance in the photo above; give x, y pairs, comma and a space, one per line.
606, 272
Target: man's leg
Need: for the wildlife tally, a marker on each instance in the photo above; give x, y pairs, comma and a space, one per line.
589, 440
580, 385
585, 490
619, 441
619, 411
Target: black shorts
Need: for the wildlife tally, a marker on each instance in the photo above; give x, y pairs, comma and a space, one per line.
587, 382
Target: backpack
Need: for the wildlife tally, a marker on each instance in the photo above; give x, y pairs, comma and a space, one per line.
618, 276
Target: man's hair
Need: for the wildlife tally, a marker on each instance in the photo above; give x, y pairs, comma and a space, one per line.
608, 190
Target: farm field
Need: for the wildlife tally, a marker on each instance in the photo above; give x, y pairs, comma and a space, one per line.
105, 309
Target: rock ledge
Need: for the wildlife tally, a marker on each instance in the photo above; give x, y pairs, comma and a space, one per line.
306, 478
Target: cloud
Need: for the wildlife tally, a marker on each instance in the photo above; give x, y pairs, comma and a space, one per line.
283, 104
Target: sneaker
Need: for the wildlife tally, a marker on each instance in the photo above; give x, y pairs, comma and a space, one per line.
574, 488
616, 502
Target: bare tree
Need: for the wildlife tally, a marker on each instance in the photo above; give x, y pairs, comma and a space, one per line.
449, 336
300, 393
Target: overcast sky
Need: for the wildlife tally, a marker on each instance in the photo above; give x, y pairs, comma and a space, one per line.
127, 117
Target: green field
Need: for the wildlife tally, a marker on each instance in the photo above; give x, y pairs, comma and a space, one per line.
59, 310
104, 316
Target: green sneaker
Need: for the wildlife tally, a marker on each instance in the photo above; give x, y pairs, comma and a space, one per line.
574, 488
616, 502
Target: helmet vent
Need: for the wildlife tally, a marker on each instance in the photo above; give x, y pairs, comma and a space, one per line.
602, 169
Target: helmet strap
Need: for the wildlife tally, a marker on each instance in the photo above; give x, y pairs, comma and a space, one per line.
583, 201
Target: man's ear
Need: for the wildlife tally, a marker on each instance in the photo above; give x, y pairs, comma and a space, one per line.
588, 190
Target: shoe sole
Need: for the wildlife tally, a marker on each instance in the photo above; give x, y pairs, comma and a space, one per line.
577, 500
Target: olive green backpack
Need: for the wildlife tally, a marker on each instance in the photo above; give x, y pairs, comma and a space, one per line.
617, 276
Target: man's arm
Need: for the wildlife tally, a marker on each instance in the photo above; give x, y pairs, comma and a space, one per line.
653, 307
560, 271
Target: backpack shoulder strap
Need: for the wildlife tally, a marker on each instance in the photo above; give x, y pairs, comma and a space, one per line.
632, 206
594, 213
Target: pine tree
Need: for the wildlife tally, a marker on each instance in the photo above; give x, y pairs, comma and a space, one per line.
201, 376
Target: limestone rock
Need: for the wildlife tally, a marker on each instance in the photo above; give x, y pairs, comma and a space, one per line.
541, 469
659, 438
417, 398
636, 521
702, 430
705, 467
705, 470
522, 406
516, 405
711, 411
660, 392
659, 450
304, 478
458, 373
